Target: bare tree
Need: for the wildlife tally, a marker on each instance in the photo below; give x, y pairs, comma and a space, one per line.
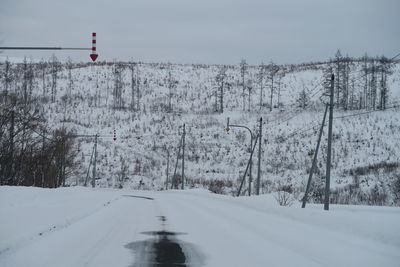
7, 74
303, 99
172, 83
27, 157
25, 80
338, 66
365, 70
54, 67
132, 68
70, 79
249, 86
373, 86
280, 76
42, 68
385, 70
138, 88
273, 69
243, 71
117, 93
221, 82
31, 76
260, 79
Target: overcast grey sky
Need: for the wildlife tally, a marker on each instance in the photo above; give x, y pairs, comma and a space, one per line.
203, 31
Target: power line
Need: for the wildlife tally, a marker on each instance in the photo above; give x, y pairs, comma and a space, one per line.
312, 127
394, 57
297, 112
294, 114
365, 112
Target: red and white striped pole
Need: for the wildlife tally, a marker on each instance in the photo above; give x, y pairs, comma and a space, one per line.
93, 55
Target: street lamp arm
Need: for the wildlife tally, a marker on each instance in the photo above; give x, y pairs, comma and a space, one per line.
241, 126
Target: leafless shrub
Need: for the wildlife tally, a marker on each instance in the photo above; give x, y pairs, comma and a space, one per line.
284, 195
284, 198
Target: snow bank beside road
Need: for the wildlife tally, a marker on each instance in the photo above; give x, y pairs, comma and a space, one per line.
28, 213
84, 227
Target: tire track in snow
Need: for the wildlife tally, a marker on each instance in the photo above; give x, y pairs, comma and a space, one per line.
26, 241
276, 233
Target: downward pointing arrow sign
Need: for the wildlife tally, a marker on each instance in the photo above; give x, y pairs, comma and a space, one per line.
93, 57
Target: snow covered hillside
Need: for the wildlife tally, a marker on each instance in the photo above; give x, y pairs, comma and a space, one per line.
79, 226
366, 147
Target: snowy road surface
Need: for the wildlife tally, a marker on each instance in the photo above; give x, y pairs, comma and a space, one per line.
85, 227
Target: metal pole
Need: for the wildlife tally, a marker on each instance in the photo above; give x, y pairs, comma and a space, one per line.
272, 90
247, 168
88, 171
251, 146
43, 160
94, 162
250, 169
259, 158
183, 156
314, 163
63, 162
42, 48
328, 158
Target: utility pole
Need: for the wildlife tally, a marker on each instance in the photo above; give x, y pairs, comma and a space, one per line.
314, 163
329, 156
250, 168
94, 162
166, 183
221, 97
183, 156
274, 70
88, 171
176, 166
248, 165
42, 156
259, 158
63, 162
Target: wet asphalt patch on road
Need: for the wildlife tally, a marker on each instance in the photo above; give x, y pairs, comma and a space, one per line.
164, 249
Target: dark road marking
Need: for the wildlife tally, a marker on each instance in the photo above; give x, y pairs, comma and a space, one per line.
162, 233
168, 252
162, 218
148, 198
164, 249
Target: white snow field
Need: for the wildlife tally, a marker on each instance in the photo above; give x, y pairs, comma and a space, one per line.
79, 226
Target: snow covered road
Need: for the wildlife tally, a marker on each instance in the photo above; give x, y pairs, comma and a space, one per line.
84, 227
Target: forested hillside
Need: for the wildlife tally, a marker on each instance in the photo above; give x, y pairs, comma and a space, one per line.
52, 110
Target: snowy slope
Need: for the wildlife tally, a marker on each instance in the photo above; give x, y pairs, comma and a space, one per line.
84, 227
138, 160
